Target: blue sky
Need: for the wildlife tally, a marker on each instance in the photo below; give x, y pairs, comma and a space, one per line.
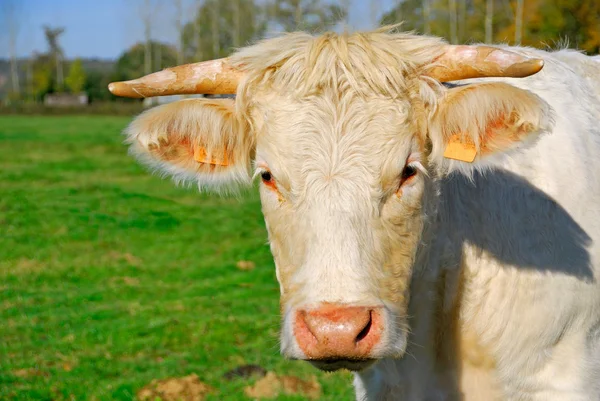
105, 28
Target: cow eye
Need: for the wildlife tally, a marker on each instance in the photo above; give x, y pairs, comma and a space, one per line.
409, 171
266, 177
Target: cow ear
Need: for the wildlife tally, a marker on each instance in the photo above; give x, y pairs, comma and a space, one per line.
475, 124
195, 140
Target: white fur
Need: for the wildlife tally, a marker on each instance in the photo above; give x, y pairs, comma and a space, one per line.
542, 325
489, 283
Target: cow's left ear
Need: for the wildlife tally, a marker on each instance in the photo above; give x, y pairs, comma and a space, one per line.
476, 122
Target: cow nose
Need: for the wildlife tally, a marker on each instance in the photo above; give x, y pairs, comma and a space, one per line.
338, 332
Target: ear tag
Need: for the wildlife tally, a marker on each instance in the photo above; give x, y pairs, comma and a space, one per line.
458, 149
201, 157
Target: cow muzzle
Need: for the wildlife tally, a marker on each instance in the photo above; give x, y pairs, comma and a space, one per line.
334, 336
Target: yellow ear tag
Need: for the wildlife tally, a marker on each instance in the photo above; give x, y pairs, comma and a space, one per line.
458, 149
201, 157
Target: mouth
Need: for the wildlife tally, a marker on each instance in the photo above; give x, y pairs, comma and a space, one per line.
331, 365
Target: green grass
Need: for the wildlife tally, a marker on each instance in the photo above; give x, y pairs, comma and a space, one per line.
111, 277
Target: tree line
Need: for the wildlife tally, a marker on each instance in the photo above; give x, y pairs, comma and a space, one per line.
217, 27
537, 23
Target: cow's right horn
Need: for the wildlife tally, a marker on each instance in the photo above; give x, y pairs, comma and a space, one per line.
209, 77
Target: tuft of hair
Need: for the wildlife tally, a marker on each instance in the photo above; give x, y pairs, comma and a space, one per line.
380, 62
168, 139
562, 43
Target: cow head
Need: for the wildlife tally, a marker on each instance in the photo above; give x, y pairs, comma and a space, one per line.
348, 135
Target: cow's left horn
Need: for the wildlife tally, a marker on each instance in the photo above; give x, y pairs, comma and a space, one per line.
209, 77
464, 62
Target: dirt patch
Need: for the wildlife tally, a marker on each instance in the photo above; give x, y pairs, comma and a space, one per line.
69, 338
131, 281
188, 388
177, 306
245, 265
309, 388
67, 367
6, 305
62, 230
29, 372
126, 257
25, 265
273, 385
125, 280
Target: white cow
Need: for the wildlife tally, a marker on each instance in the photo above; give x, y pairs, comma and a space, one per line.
442, 241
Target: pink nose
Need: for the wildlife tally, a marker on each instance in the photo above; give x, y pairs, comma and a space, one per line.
335, 331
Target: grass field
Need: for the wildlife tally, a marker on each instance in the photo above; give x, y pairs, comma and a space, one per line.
111, 277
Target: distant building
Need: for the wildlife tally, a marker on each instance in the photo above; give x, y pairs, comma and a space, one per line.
66, 99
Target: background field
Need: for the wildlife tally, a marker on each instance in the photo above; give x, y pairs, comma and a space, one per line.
111, 277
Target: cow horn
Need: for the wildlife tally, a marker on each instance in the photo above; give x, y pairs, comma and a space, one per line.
208, 77
464, 62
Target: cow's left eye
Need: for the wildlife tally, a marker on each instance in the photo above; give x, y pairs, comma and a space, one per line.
408, 172
270, 183
266, 177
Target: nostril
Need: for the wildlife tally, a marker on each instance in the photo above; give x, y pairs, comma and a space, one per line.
365, 331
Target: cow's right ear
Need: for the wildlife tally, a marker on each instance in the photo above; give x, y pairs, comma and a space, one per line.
195, 140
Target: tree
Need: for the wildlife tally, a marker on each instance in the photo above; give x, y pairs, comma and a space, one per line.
588, 33
308, 15
453, 22
42, 75
237, 23
489, 15
56, 52
29, 88
462, 19
95, 85
146, 13
193, 33
398, 11
533, 22
11, 23
179, 26
346, 8
76, 79
214, 28
375, 6
210, 34
424, 16
131, 64
545, 22
459, 21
